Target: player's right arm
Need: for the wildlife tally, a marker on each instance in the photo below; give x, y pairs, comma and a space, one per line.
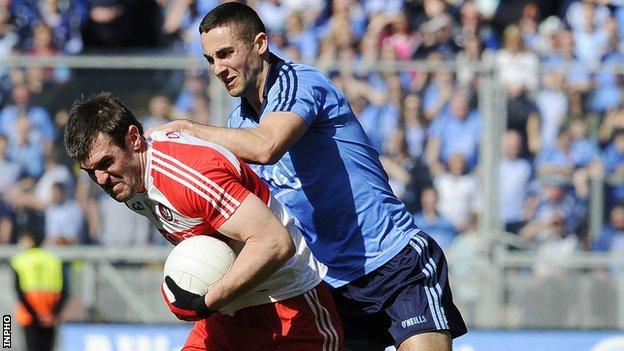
266, 144
287, 115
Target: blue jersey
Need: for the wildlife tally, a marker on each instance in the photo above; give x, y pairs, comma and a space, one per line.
331, 180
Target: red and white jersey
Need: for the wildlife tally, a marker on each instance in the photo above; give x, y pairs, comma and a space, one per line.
194, 186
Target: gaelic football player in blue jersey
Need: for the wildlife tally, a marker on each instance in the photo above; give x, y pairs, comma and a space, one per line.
300, 135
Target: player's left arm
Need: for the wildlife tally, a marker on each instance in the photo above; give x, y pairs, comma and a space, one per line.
240, 215
266, 144
268, 245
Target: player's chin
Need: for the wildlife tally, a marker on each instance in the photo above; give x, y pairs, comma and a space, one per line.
123, 196
234, 91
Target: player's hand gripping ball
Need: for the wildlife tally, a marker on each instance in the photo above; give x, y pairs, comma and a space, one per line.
191, 269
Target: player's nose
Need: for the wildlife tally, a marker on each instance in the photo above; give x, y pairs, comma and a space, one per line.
219, 69
101, 177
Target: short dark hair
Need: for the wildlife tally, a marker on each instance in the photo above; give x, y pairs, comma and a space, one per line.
36, 236
99, 113
244, 20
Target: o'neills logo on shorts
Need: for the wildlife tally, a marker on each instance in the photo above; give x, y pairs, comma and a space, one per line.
413, 321
165, 212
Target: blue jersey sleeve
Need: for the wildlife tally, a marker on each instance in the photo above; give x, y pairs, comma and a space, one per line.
296, 91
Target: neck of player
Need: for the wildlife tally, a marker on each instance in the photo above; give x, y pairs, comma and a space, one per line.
256, 98
143, 163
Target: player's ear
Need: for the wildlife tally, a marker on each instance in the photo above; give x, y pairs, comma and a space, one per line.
261, 43
133, 138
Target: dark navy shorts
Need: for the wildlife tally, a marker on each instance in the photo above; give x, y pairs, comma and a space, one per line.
408, 295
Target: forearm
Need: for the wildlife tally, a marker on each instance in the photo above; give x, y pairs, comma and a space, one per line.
256, 262
250, 144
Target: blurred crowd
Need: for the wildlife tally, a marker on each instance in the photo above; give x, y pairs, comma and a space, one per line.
565, 111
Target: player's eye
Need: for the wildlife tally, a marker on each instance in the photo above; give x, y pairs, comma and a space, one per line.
103, 164
224, 54
106, 163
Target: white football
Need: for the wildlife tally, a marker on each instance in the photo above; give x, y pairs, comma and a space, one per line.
196, 263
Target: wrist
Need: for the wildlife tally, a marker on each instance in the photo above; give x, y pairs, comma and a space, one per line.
186, 126
200, 307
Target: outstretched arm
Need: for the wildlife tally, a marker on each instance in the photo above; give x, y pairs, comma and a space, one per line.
266, 144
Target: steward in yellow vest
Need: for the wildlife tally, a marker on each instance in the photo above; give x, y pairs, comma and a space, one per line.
40, 284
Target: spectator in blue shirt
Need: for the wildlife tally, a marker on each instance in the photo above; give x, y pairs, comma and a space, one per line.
63, 218
606, 94
515, 175
612, 234
26, 148
346, 17
583, 149
578, 76
24, 14
302, 37
428, 219
9, 170
456, 130
579, 13
159, 111
556, 161
194, 86
555, 197
591, 42
379, 122
436, 94
37, 115
415, 126
614, 166
65, 19
273, 13
552, 104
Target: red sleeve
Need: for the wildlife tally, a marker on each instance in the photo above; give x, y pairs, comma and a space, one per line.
199, 181
218, 201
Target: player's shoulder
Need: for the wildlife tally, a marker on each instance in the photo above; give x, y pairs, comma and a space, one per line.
299, 74
298, 83
187, 149
310, 72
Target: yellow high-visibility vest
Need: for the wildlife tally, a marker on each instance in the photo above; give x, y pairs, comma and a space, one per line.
40, 275
38, 270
